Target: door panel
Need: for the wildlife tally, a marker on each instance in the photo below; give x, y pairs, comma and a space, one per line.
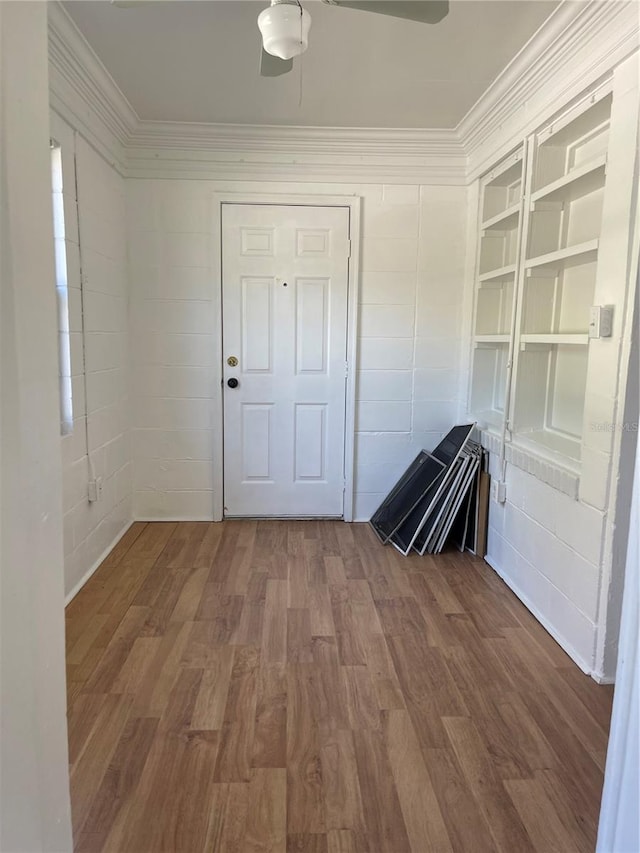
256, 325
285, 297
310, 441
312, 325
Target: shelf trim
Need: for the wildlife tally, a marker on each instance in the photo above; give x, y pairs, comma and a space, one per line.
554, 339
570, 178
497, 274
491, 339
590, 246
509, 212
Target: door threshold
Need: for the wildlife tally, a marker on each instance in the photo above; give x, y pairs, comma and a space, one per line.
283, 518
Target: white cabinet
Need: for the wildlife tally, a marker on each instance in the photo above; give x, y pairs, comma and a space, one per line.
537, 275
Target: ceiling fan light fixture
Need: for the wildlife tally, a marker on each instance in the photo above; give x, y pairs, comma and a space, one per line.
285, 28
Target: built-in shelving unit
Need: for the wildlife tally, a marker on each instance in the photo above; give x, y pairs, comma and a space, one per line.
500, 216
539, 232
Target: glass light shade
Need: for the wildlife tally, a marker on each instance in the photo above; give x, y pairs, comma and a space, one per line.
285, 31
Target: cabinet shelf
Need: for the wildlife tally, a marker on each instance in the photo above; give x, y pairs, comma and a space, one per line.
556, 339
490, 417
580, 253
581, 179
506, 220
491, 339
502, 274
553, 444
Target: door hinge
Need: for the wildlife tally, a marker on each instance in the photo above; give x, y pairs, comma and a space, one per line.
346, 369
348, 248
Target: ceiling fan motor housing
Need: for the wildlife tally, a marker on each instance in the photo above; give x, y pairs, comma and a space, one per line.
285, 28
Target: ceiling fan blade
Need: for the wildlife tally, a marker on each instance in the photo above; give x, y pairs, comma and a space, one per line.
273, 66
422, 11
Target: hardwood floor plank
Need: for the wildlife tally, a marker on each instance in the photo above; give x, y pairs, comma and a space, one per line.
420, 808
430, 692
228, 815
334, 569
327, 687
503, 820
341, 786
153, 691
346, 841
190, 596
577, 814
222, 612
209, 545
236, 737
80, 649
138, 661
182, 546
208, 713
320, 612
81, 718
362, 706
149, 544
270, 734
307, 843
598, 698
266, 830
179, 810
540, 817
299, 648
274, 635
118, 784
116, 653
89, 769
298, 583
384, 822
351, 644
383, 675
178, 713
305, 801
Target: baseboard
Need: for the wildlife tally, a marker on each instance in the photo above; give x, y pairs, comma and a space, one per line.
150, 519
76, 589
562, 642
599, 678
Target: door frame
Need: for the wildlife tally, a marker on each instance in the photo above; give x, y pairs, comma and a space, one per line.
353, 203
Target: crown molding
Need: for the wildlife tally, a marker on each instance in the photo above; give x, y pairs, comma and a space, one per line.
578, 45
236, 152
83, 92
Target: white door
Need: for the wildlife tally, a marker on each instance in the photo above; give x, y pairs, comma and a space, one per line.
284, 298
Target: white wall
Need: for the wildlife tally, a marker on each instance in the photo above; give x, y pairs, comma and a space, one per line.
34, 783
619, 827
98, 318
410, 319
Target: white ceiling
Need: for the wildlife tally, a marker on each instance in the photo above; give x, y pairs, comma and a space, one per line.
198, 61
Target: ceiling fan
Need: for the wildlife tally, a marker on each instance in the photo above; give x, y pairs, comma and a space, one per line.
285, 25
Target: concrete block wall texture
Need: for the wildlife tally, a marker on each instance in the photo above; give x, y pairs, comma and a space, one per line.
408, 383
548, 548
99, 246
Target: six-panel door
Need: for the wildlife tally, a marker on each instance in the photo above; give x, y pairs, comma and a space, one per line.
285, 288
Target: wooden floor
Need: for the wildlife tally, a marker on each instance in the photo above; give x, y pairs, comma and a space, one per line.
271, 686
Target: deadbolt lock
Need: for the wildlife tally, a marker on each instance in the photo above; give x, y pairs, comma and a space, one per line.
232, 361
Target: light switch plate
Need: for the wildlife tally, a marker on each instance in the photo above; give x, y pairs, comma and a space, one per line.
600, 321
